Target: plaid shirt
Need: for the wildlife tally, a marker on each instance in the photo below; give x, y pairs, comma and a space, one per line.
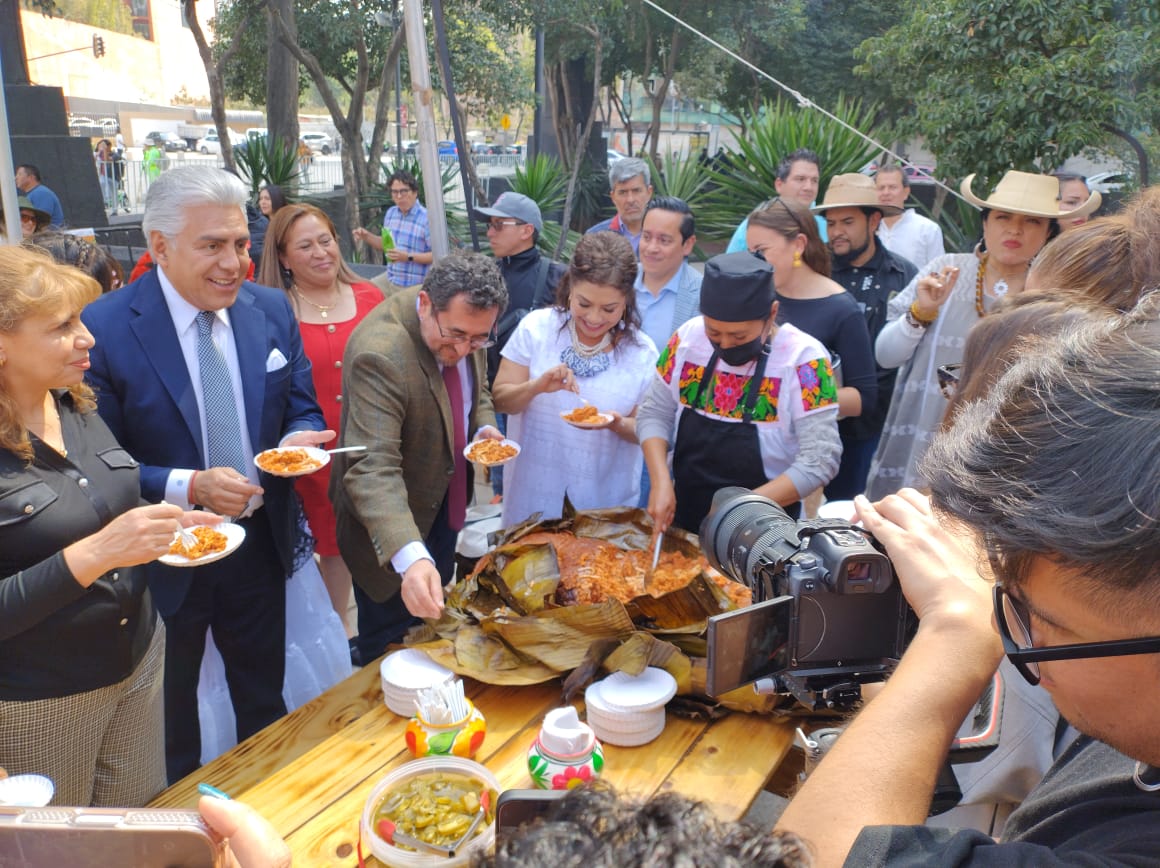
411, 234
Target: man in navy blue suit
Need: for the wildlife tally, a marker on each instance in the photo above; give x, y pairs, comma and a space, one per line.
196, 371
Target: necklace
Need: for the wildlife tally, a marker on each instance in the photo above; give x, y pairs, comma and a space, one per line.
586, 361
979, 309
49, 436
59, 431
1000, 287
322, 309
584, 351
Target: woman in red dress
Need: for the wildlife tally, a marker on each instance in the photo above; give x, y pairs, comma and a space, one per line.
329, 301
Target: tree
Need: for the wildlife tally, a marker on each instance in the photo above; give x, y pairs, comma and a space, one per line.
341, 33
213, 73
760, 31
282, 75
998, 84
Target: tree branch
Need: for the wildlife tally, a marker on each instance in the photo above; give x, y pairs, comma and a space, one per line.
582, 145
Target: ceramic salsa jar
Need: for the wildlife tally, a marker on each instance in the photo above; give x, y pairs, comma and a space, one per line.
566, 753
461, 738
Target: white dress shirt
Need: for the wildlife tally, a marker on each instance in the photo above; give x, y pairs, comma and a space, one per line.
184, 316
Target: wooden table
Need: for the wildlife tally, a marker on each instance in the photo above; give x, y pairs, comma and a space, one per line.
311, 772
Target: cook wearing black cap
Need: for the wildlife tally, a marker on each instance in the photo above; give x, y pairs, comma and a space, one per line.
751, 403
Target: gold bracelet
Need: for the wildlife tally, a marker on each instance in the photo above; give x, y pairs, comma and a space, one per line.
918, 317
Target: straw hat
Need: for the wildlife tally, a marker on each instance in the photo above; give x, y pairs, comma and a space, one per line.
1025, 193
854, 190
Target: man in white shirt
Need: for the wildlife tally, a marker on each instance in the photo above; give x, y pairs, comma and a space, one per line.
909, 234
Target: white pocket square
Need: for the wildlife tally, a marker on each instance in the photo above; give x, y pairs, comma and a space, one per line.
275, 361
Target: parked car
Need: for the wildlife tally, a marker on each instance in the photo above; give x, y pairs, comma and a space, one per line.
1109, 182
318, 142
448, 149
919, 173
169, 141
613, 156
210, 144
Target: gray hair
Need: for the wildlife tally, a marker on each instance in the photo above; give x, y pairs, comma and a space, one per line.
474, 276
1059, 459
626, 169
189, 186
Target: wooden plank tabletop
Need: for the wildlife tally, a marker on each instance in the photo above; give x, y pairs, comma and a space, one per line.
310, 773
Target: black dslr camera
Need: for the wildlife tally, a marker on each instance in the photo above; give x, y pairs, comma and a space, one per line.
828, 614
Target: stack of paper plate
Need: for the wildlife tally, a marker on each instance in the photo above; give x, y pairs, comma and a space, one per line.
29, 791
404, 673
629, 710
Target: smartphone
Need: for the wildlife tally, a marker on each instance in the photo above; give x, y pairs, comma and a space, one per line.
104, 837
748, 644
516, 808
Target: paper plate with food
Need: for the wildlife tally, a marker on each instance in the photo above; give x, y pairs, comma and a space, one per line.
491, 453
292, 460
587, 416
213, 542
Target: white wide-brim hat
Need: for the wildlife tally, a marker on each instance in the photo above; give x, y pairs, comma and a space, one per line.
1027, 193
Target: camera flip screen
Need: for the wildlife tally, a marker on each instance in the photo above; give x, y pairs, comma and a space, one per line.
748, 644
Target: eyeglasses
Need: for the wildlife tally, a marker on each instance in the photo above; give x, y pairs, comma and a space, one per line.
1014, 621
498, 225
455, 336
400, 191
948, 379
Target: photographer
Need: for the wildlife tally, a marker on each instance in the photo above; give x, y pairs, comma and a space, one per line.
1054, 471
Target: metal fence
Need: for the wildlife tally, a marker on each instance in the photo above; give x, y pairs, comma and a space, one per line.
323, 174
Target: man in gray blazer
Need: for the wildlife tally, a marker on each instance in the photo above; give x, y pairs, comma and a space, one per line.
415, 393
668, 289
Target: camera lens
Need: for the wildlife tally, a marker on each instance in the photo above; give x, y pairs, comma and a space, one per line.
741, 531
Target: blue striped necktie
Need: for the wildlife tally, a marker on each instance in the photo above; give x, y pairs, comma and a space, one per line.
223, 434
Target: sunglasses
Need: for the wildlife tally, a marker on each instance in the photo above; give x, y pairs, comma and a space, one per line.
948, 379
1014, 621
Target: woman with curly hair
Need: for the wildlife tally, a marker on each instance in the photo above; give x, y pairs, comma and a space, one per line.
587, 348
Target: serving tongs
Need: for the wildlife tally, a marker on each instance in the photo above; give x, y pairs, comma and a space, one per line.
484, 800
390, 833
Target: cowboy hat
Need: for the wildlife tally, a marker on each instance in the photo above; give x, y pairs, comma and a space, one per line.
1026, 193
854, 190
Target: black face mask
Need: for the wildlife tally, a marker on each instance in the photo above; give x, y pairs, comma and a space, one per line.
740, 354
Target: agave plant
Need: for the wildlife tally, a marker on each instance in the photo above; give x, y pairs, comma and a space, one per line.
745, 177
261, 161
687, 179
544, 180
960, 222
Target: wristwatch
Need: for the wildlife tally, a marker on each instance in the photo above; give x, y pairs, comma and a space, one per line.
410, 257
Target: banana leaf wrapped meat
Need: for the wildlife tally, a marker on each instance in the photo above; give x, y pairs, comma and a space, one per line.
573, 595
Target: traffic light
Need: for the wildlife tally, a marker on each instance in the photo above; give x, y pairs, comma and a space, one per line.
98, 46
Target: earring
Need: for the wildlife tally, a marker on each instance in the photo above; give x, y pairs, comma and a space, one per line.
797, 259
